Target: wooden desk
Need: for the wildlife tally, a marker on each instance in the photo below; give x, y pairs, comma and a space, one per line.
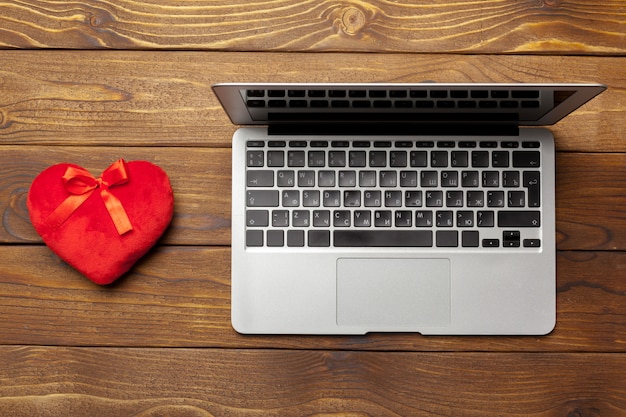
92, 82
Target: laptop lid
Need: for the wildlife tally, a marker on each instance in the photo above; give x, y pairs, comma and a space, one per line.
400, 105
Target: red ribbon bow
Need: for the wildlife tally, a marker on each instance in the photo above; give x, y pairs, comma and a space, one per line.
81, 184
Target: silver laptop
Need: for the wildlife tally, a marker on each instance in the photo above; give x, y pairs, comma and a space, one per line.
423, 208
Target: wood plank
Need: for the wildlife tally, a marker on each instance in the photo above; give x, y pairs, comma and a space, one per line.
590, 201
164, 98
180, 296
201, 180
494, 26
216, 382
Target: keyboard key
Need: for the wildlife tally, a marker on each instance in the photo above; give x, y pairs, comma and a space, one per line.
434, 198
517, 199
495, 199
326, 178
280, 218
459, 159
337, 158
300, 218
295, 158
519, 218
526, 159
480, 159
291, 198
464, 218
475, 199
262, 198
319, 238
362, 218
424, 218
378, 159
447, 239
367, 178
388, 178
341, 218
275, 238
257, 218
419, 159
321, 218
383, 238
332, 198
439, 159
352, 198
491, 243
317, 159
254, 238
485, 219
357, 158
454, 198
255, 158
413, 199
428, 178
532, 182
397, 159
347, 178
408, 178
510, 179
470, 179
257, 178
444, 218
372, 198
470, 239
404, 218
285, 178
449, 179
382, 218
532, 243
295, 238
500, 159
311, 198
393, 198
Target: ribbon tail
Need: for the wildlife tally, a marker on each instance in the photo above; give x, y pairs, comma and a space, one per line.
65, 209
117, 212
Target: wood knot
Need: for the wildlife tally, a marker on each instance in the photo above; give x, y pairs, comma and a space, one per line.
100, 19
550, 3
4, 120
352, 21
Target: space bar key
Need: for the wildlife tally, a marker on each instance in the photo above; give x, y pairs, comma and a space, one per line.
383, 238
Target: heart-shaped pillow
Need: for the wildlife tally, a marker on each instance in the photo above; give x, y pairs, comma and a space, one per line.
101, 226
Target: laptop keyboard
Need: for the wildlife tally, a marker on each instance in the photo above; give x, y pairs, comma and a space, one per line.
396, 193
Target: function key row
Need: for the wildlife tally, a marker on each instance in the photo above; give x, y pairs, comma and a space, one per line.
390, 144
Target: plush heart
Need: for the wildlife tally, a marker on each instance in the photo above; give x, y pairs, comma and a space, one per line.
101, 226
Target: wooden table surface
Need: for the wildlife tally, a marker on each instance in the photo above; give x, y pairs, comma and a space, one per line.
89, 82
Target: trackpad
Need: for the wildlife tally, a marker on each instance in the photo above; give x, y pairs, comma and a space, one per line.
393, 293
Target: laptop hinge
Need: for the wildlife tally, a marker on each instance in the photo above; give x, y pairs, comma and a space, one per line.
394, 129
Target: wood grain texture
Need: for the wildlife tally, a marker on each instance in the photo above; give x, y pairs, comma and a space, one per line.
165, 99
490, 26
201, 180
95, 81
180, 296
50, 382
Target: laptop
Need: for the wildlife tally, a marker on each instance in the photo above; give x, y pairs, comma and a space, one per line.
422, 208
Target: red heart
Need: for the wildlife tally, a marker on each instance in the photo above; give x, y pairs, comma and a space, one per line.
93, 235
